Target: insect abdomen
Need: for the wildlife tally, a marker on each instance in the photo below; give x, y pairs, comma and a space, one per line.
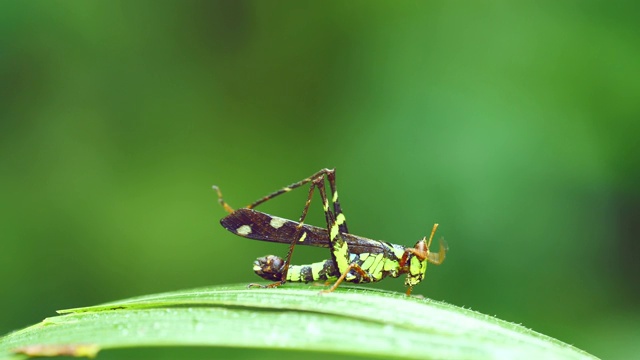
319, 271
271, 267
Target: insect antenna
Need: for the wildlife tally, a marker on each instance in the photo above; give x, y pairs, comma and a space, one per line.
433, 231
436, 258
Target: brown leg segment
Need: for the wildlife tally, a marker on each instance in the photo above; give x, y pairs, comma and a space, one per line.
289, 188
352, 266
296, 237
221, 201
317, 181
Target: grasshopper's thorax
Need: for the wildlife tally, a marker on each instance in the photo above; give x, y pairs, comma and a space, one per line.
417, 263
380, 264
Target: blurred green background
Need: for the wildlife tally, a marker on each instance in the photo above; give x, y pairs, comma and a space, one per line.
513, 125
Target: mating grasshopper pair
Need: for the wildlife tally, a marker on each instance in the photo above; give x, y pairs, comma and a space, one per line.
354, 258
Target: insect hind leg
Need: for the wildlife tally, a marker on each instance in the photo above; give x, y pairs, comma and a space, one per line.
339, 247
323, 172
336, 221
329, 174
299, 235
337, 209
221, 201
317, 178
335, 224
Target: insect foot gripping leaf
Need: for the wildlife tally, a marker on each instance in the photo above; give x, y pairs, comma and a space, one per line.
354, 259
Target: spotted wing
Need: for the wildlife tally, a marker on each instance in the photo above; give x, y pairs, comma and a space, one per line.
256, 225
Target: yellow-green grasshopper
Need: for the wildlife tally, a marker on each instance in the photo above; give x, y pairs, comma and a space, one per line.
353, 259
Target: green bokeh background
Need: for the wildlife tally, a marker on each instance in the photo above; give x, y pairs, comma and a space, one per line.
514, 125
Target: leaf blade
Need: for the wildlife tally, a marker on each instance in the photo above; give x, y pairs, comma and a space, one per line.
349, 321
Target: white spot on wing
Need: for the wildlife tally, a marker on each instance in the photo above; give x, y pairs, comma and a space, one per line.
277, 223
244, 230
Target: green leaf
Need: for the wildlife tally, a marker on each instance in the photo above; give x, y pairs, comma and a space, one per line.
349, 321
